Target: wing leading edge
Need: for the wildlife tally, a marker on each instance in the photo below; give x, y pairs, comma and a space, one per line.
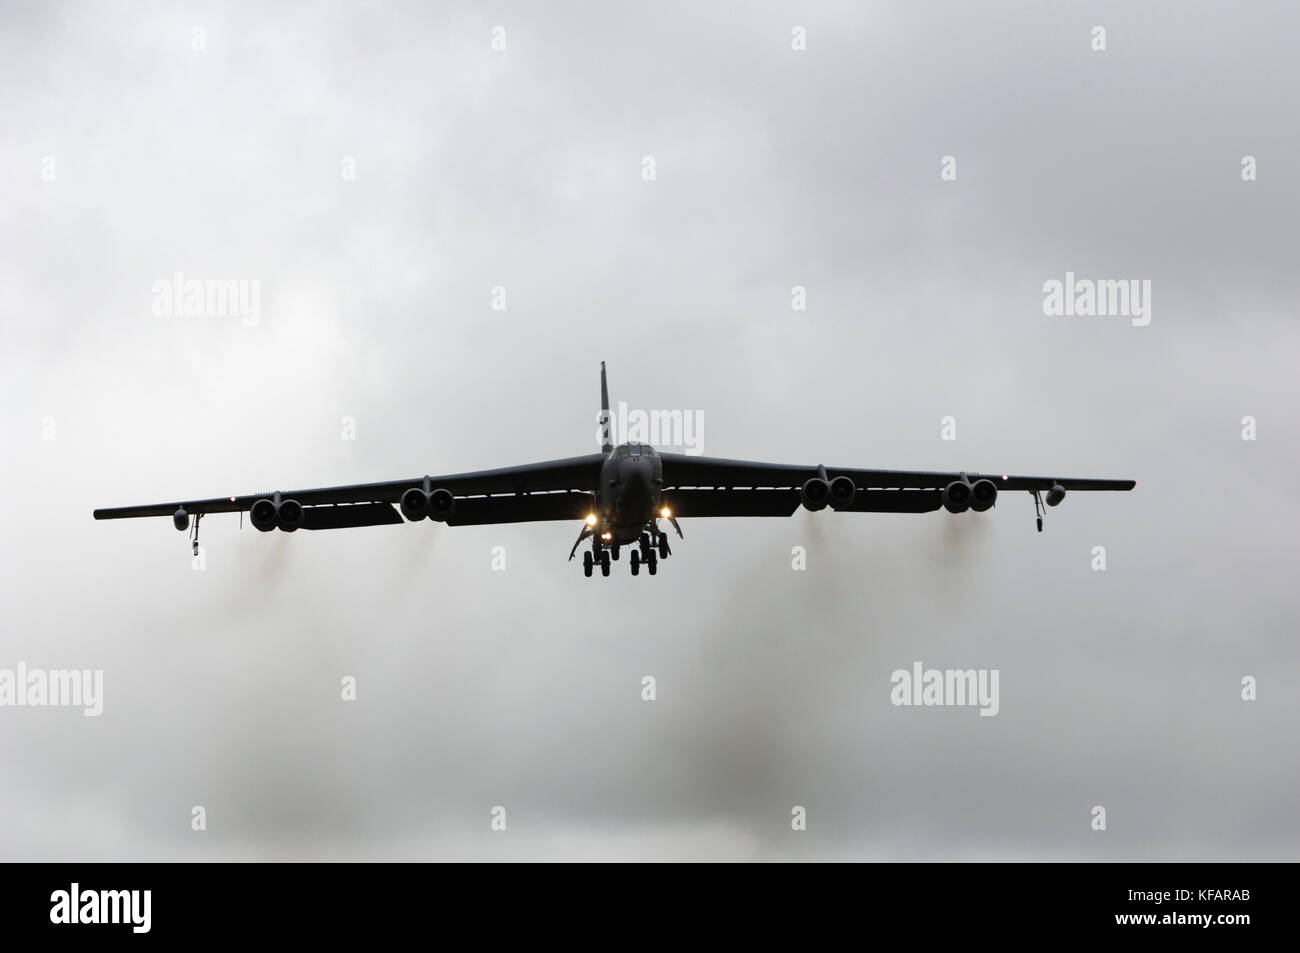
553, 490
711, 486
681, 471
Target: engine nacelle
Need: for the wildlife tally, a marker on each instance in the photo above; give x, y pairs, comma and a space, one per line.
415, 504
290, 515
815, 494
957, 496
266, 515
1055, 495
441, 504
842, 491
181, 519
262, 515
983, 495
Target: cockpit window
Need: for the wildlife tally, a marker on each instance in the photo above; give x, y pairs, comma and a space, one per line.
623, 451
635, 449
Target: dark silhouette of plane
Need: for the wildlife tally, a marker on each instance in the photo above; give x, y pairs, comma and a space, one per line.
620, 495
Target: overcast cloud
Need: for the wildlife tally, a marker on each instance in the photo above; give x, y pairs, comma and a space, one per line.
522, 168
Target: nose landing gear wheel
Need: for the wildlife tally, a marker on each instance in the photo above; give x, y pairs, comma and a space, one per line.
586, 563
634, 560
604, 563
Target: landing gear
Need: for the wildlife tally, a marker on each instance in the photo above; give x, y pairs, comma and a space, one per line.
593, 558
1038, 509
643, 552
649, 548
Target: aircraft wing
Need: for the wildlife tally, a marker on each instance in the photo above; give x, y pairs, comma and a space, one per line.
553, 490
710, 486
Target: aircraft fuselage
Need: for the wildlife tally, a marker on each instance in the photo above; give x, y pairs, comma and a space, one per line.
631, 484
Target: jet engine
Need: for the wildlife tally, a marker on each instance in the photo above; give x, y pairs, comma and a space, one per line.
956, 496
1055, 495
266, 515
289, 517
441, 503
415, 504
262, 515
815, 494
842, 491
983, 495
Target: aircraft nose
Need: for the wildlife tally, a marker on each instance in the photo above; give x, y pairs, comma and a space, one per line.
637, 481
640, 476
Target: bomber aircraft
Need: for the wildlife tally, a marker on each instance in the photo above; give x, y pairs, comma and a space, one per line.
620, 495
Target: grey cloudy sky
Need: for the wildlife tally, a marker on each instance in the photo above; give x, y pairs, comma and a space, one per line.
522, 168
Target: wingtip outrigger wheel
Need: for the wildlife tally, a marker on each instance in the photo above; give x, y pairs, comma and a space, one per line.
1038, 509
197, 517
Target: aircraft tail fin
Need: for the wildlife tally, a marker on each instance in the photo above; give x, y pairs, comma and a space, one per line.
607, 441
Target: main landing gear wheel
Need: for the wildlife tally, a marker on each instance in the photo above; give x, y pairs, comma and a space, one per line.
586, 563
652, 564
663, 545
635, 561
604, 562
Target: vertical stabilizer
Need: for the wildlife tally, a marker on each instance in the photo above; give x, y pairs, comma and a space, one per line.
607, 440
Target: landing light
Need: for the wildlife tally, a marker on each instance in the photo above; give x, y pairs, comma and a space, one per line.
591, 520
666, 513
606, 535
